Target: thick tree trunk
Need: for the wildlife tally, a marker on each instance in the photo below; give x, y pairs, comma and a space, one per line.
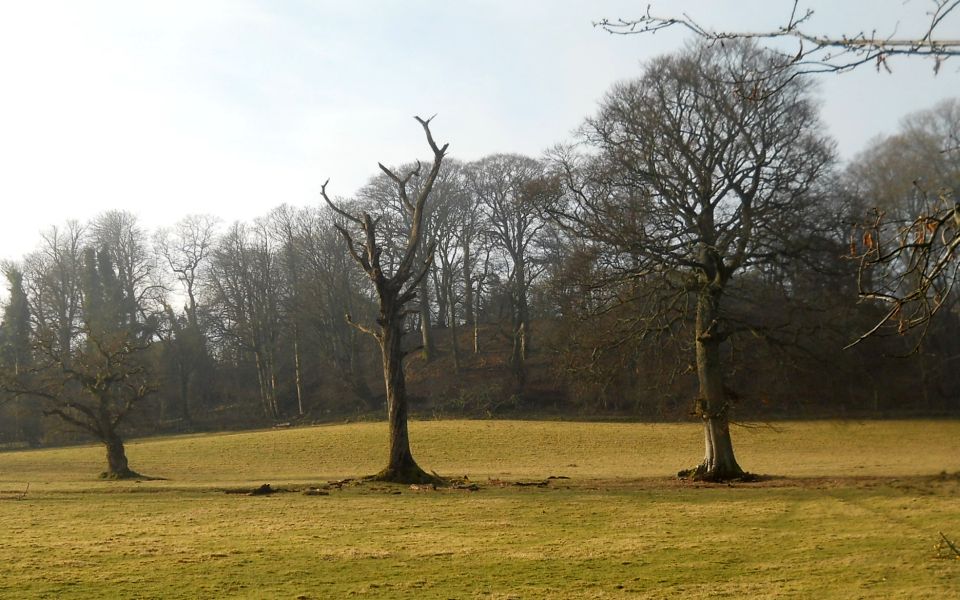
117, 466
719, 462
401, 467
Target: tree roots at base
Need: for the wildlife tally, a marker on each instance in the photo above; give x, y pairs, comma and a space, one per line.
128, 474
410, 473
702, 473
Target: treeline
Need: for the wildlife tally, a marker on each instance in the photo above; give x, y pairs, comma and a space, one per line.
558, 284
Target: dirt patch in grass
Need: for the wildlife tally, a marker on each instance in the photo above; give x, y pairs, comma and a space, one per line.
915, 483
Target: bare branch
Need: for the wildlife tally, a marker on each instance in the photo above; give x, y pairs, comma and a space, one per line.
912, 267
816, 53
335, 208
361, 328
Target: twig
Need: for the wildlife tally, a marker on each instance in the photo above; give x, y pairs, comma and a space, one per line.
950, 544
24, 495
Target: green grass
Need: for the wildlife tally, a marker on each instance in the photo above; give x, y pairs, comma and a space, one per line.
854, 511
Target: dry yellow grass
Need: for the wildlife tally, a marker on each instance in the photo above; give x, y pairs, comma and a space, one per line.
855, 514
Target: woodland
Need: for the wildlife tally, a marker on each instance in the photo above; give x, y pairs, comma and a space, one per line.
696, 251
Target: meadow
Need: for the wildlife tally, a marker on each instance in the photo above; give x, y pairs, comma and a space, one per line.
541, 510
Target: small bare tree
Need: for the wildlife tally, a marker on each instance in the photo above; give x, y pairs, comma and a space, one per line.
395, 288
95, 380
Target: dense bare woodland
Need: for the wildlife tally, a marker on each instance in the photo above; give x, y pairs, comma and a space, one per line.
695, 253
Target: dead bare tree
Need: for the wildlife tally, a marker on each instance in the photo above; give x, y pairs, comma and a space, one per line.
395, 288
815, 52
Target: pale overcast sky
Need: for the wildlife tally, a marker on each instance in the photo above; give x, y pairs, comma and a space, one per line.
231, 107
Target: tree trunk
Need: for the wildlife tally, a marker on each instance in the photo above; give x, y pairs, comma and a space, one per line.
719, 462
468, 313
440, 293
349, 359
65, 336
429, 349
401, 467
267, 384
183, 376
517, 366
274, 384
454, 344
476, 337
521, 326
298, 376
117, 466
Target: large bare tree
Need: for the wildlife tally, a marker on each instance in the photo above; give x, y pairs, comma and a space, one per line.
688, 186
915, 292
396, 285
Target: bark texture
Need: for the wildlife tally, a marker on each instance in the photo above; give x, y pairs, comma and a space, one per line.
713, 405
117, 465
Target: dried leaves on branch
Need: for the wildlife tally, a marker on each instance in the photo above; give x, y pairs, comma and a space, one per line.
910, 266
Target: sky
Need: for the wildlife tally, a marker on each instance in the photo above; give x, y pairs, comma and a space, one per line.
232, 107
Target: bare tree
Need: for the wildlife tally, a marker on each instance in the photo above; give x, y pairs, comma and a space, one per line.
691, 186
506, 187
395, 288
243, 283
119, 234
105, 375
395, 223
333, 283
914, 292
284, 225
185, 249
52, 275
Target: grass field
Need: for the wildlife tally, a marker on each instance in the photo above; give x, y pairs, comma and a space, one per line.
850, 510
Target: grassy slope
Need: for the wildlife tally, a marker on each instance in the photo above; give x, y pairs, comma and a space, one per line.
856, 515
